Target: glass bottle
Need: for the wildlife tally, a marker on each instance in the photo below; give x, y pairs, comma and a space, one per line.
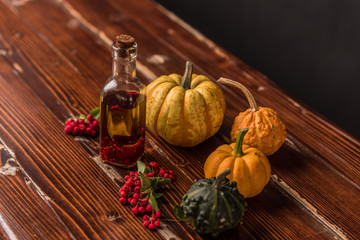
123, 108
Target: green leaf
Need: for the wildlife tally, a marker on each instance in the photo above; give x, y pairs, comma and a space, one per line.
95, 112
140, 166
145, 182
179, 213
154, 183
82, 116
147, 169
157, 195
153, 203
163, 182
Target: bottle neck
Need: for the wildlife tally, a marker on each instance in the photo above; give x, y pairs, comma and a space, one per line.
124, 63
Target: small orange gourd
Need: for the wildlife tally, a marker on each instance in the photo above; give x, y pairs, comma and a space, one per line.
267, 132
249, 167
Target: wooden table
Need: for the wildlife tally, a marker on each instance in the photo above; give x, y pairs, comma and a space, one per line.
55, 58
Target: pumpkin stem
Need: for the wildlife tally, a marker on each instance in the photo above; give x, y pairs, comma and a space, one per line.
186, 80
249, 96
238, 151
219, 179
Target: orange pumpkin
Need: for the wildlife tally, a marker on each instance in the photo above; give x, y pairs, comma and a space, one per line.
249, 167
267, 132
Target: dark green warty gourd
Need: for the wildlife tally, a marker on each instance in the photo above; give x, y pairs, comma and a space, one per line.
212, 205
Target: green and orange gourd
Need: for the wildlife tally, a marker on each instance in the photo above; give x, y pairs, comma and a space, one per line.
186, 110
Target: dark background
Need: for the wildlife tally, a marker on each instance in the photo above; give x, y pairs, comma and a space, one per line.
309, 48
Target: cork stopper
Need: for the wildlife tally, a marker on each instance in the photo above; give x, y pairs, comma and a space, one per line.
124, 41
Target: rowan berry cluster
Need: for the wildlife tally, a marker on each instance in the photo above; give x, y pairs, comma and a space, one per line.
159, 171
139, 192
88, 126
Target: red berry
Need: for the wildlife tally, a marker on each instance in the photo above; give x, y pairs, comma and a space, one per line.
93, 133
70, 120
141, 209
123, 194
150, 174
145, 217
155, 165
130, 179
90, 118
135, 210
161, 172
148, 208
151, 226
135, 178
166, 175
88, 131
158, 213
135, 196
153, 219
146, 223
133, 202
171, 172
171, 177
157, 224
122, 201
129, 200
76, 130
81, 121
137, 183
128, 183
125, 188
137, 189
126, 177
82, 127
68, 129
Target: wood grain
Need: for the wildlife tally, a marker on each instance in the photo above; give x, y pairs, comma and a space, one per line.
61, 75
24, 213
81, 194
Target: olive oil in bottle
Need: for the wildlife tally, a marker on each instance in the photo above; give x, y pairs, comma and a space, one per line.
123, 108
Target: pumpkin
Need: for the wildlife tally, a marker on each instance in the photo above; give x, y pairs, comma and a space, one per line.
212, 205
267, 132
186, 110
250, 168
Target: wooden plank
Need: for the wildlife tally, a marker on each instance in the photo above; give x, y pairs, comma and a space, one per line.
311, 227
96, 203
23, 213
307, 189
81, 194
